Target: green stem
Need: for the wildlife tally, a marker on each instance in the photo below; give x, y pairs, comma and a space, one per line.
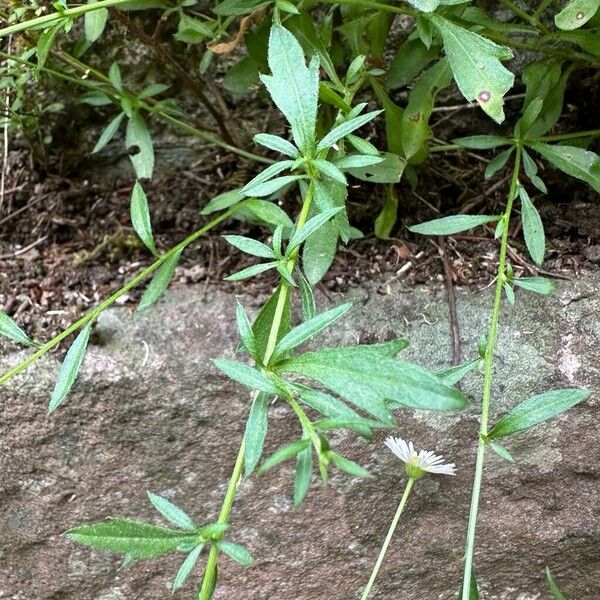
567, 136
92, 314
210, 572
539, 11
487, 385
523, 15
388, 538
38, 22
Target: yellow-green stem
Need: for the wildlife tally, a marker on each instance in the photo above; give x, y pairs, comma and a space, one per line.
92, 314
388, 538
210, 571
56, 16
487, 385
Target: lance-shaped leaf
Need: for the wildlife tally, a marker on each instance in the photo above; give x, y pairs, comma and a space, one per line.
537, 409
453, 375
539, 285
452, 224
533, 228
302, 475
246, 375
187, 566
318, 252
482, 142
262, 324
236, 552
137, 139
556, 593
140, 217
308, 329
576, 14
374, 382
109, 132
347, 465
70, 368
311, 226
284, 453
267, 188
256, 431
266, 175
276, 143
475, 63
251, 271
246, 333
574, 161
250, 246
95, 22
160, 281
345, 128
268, 212
172, 513
133, 538
293, 86
9, 329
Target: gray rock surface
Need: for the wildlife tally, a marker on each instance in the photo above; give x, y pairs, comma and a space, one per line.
150, 412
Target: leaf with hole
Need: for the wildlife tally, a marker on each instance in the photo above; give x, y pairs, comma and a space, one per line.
138, 137
576, 14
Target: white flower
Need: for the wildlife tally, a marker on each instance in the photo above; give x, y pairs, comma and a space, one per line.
417, 464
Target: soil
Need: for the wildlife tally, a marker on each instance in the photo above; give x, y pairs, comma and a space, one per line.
66, 241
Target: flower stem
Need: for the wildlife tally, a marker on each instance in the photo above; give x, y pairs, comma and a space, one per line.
210, 572
388, 537
487, 385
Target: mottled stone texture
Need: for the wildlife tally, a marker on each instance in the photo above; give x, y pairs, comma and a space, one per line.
149, 412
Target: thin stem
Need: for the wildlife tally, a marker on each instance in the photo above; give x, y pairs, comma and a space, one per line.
388, 538
523, 15
539, 11
487, 385
92, 314
567, 136
210, 571
56, 16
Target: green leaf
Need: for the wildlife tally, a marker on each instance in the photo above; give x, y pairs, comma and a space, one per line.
140, 217
114, 75
576, 14
172, 513
302, 475
475, 63
415, 131
452, 224
187, 566
453, 375
251, 271
153, 89
342, 130
362, 146
262, 323
312, 225
268, 212
509, 292
482, 142
332, 194
410, 58
473, 588
137, 540
293, 86
9, 329
223, 201
357, 161
501, 451
267, 174
309, 329
319, 251
95, 22
388, 170
537, 409
236, 552
70, 368
213, 531
556, 593
539, 285
331, 170
250, 246
276, 143
109, 132
246, 375
497, 163
533, 228
137, 135
270, 187
309, 307
160, 281
284, 453
45, 42
256, 431
349, 466
386, 219
245, 329
368, 379
574, 161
